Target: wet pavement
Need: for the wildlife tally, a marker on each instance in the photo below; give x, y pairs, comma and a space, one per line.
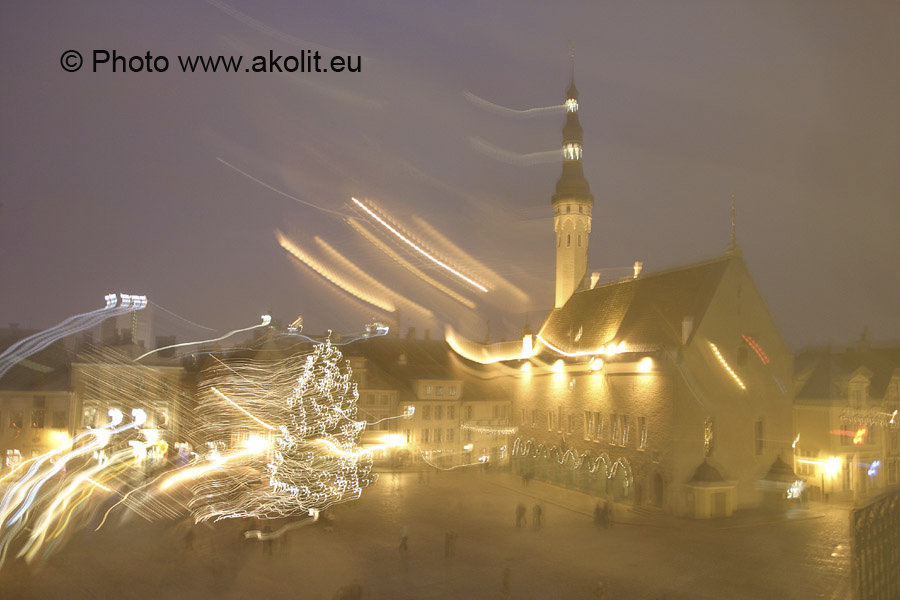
644, 554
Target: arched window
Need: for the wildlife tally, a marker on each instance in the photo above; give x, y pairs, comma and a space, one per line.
568, 240
579, 240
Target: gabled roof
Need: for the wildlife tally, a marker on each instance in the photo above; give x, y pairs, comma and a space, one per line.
646, 312
828, 373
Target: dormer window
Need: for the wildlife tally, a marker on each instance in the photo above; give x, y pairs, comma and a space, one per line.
572, 151
571, 105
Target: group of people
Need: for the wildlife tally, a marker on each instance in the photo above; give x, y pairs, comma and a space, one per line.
536, 516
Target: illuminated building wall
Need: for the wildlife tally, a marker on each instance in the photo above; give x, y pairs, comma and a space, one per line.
849, 433
681, 387
37, 411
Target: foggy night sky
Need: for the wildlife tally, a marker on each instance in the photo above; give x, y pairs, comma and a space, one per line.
110, 181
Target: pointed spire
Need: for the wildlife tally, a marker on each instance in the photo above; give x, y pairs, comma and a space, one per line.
732, 245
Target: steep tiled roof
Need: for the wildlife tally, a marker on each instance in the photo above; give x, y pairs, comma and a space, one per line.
646, 312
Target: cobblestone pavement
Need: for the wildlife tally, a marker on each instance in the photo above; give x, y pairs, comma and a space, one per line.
644, 555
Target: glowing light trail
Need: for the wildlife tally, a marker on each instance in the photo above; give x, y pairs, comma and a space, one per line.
514, 158
277, 191
407, 265
367, 279
512, 112
462, 255
266, 319
316, 266
418, 249
237, 406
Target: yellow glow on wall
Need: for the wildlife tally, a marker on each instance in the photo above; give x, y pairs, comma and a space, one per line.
526, 367
727, 367
645, 365
596, 364
558, 366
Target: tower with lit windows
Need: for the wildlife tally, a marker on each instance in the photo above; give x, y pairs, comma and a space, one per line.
572, 205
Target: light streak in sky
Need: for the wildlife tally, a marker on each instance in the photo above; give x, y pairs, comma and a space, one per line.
328, 274
366, 279
277, 191
512, 112
164, 309
124, 304
266, 319
514, 158
463, 256
419, 249
237, 406
370, 237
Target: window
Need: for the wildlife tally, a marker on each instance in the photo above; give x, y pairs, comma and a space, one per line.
534, 419
504, 411
438, 412
382, 399
579, 237
440, 390
588, 424
495, 411
426, 413
570, 426
425, 436
38, 412
522, 416
452, 390
550, 424
451, 412
895, 441
760, 434
568, 240
626, 430
437, 436
451, 434
642, 432
892, 472
469, 411
560, 416
15, 419
429, 390
58, 420
598, 426
468, 435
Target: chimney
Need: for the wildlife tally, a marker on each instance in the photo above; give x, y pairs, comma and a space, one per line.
638, 265
687, 328
595, 277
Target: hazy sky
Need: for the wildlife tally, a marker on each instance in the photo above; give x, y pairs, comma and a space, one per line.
116, 181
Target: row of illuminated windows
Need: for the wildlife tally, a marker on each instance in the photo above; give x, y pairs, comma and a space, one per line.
16, 419
439, 390
438, 436
440, 411
371, 398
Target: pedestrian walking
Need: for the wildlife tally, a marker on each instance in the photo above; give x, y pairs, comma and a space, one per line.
598, 515
520, 515
536, 515
607, 514
449, 544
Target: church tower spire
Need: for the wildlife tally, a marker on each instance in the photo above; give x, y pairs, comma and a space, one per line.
572, 204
